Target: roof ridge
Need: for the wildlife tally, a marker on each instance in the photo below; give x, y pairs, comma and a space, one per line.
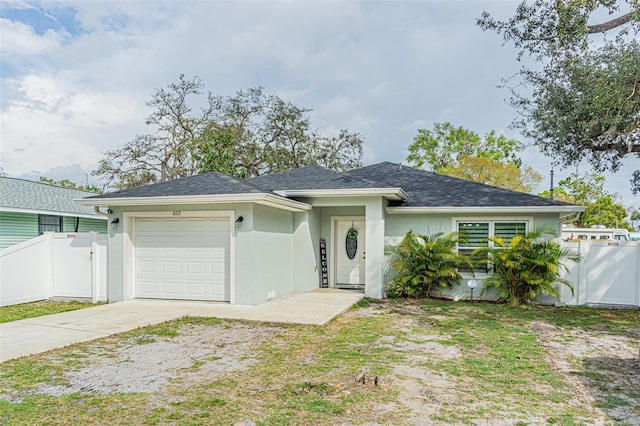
240, 181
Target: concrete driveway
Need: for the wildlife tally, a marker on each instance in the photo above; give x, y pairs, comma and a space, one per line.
36, 335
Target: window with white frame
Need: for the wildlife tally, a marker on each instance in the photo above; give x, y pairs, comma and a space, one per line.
48, 223
475, 235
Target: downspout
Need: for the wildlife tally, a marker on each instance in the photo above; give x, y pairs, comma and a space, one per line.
570, 218
77, 223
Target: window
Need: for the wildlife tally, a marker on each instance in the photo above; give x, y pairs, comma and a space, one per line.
476, 234
48, 223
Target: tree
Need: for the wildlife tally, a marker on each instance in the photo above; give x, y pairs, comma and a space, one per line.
495, 173
526, 266
584, 102
424, 264
245, 135
265, 134
167, 153
460, 152
441, 147
66, 183
602, 207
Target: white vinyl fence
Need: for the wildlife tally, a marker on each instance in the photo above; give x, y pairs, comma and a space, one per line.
65, 265
609, 273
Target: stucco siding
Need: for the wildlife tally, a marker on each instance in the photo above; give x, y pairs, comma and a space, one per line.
306, 251
272, 248
397, 226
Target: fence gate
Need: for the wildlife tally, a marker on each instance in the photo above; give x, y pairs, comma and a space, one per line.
613, 274
609, 273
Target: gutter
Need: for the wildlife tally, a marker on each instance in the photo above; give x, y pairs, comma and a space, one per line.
569, 210
96, 209
258, 198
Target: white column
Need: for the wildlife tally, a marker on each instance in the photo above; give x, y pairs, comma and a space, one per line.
374, 211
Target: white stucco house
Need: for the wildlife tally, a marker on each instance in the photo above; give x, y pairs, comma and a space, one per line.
218, 238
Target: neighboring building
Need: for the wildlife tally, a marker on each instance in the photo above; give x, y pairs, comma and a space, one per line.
27, 209
219, 238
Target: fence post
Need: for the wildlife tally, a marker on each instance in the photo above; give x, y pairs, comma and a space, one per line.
95, 265
50, 265
584, 271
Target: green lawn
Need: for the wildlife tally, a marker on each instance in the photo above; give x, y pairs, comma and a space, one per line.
38, 309
445, 362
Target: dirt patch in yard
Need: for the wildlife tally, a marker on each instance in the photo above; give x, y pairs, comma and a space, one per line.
602, 369
424, 377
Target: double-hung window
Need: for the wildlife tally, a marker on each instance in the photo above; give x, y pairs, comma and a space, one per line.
475, 235
47, 223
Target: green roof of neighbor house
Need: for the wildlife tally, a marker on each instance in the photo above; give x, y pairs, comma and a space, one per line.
24, 196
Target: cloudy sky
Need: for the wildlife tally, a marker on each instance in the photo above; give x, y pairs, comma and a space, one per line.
75, 76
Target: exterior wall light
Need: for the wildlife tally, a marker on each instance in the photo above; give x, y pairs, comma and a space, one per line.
115, 222
239, 221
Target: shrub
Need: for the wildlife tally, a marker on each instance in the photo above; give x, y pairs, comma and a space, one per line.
424, 264
526, 266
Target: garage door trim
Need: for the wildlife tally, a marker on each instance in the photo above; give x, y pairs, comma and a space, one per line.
129, 249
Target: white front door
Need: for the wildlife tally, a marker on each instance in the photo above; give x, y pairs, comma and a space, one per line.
349, 249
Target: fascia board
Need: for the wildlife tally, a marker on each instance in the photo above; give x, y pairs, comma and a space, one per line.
260, 198
488, 210
50, 212
390, 193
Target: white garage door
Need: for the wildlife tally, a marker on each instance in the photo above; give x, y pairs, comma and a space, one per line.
186, 258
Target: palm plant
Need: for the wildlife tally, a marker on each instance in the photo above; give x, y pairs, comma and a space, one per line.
424, 264
526, 266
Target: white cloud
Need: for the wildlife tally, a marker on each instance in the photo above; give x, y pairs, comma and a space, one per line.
17, 38
383, 69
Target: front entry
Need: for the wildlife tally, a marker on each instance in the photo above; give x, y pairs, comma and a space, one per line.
349, 249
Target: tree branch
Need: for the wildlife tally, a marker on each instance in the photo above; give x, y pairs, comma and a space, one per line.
609, 25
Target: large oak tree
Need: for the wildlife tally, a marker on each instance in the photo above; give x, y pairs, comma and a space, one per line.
583, 101
248, 134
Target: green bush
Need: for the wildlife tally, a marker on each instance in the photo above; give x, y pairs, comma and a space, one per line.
526, 266
424, 264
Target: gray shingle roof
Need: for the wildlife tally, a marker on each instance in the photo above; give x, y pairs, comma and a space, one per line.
25, 195
212, 183
311, 177
426, 189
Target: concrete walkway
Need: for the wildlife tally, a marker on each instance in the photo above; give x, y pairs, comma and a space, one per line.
36, 335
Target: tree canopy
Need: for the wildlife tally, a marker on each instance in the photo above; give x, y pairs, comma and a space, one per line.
584, 103
602, 207
495, 173
441, 147
248, 134
66, 183
455, 151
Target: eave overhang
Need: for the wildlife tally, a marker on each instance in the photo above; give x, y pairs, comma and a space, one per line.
388, 193
258, 198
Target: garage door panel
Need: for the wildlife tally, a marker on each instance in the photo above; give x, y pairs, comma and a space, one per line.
171, 267
196, 268
196, 289
170, 288
190, 264
148, 266
149, 287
